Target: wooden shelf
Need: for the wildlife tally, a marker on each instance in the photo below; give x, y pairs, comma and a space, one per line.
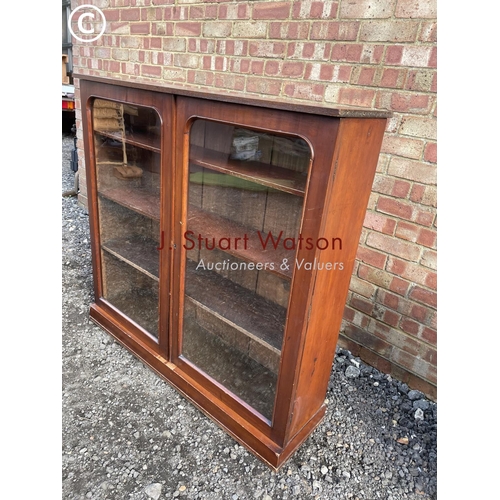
140, 200
213, 226
140, 306
236, 370
139, 253
264, 174
141, 140
247, 312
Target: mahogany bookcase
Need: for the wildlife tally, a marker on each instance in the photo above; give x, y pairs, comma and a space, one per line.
224, 230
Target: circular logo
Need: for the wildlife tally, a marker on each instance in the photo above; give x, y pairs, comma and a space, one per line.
90, 17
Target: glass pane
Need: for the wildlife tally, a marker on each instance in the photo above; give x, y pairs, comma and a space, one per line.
127, 150
246, 191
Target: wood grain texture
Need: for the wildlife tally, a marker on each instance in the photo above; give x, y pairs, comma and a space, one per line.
264, 174
139, 200
234, 97
247, 312
355, 161
295, 315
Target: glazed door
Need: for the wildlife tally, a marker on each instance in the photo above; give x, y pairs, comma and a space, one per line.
129, 184
244, 195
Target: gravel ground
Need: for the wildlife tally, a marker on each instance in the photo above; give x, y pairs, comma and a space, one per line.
128, 435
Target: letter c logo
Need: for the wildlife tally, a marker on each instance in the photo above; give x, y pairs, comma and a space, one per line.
87, 15
80, 23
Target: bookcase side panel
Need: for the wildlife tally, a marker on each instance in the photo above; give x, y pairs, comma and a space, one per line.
355, 161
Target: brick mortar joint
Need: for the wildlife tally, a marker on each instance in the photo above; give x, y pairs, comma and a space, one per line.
413, 204
420, 342
376, 88
420, 376
384, 269
299, 79
406, 200
412, 284
375, 301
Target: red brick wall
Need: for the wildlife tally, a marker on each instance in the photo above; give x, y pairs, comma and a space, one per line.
369, 53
